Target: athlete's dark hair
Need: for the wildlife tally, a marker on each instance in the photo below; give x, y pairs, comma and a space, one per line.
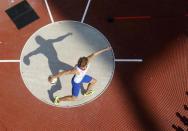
83, 61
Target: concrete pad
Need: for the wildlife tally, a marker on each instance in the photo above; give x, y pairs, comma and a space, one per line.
57, 47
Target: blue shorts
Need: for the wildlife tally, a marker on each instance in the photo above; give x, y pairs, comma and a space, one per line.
77, 86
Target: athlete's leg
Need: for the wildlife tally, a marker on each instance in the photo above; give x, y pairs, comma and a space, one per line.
67, 98
91, 84
75, 93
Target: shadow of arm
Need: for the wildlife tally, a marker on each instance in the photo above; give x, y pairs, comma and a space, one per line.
60, 38
26, 59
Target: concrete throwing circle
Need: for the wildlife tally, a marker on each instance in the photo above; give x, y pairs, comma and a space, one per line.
57, 47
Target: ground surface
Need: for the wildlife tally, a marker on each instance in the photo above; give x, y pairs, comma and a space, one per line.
141, 97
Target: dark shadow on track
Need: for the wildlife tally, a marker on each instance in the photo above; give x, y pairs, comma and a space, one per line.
47, 49
149, 46
145, 39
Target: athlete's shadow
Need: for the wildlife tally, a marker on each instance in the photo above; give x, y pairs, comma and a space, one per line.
83, 90
47, 49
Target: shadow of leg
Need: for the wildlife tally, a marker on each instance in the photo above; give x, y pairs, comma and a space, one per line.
83, 90
54, 89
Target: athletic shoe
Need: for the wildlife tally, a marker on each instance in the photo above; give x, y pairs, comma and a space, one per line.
56, 101
90, 92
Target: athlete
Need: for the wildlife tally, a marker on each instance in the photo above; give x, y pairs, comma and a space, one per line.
80, 77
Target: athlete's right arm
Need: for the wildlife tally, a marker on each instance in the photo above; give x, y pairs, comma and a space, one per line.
66, 72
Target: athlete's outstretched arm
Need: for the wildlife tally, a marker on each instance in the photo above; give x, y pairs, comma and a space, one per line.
93, 55
66, 72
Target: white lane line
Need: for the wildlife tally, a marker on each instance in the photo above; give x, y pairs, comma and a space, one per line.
85, 12
128, 60
9, 61
49, 12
